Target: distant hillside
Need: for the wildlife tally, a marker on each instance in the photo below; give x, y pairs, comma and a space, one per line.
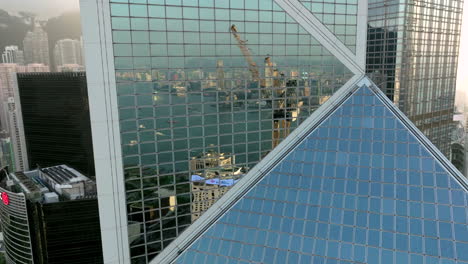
13, 28
66, 25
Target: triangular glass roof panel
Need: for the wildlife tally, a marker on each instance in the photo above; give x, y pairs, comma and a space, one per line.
362, 186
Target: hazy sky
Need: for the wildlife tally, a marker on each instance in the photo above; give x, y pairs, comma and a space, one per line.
44, 8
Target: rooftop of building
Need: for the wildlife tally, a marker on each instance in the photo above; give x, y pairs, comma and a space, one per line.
52, 184
52, 74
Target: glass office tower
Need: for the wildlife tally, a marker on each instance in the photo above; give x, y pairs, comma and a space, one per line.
357, 183
55, 113
412, 54
187, 96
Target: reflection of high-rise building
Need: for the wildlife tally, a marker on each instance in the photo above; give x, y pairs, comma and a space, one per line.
210, 160
389, 196
204, 196
50, 215
414, 61
36, 46
212, 175
13, 55
139, 58
220, 74
56, 120
67, 51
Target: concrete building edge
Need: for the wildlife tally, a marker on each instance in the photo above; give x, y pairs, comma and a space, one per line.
99, 57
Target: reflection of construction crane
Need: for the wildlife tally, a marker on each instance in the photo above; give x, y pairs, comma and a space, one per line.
282, 94
246, 52
272, 75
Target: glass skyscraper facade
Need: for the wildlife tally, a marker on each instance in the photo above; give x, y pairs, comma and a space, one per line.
358, 184
188, 96
187, 99
56, 124
412, 54
338, 16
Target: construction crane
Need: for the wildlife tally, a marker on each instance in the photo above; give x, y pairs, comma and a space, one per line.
246, 52
282, 93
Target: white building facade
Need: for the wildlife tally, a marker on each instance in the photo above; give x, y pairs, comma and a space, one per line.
13, 55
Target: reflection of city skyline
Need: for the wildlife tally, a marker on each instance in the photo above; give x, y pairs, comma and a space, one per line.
222, 89
196, 117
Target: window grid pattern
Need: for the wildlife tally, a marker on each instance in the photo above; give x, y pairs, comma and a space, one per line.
16, 229
359, 189
195, 100
338, 16
412, 54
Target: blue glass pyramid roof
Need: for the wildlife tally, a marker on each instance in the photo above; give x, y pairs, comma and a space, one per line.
363, 186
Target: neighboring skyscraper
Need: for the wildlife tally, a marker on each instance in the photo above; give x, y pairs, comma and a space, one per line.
67, 51
13, 55
412, 54
13, 203
36, 67
36, 46
356, 183
50, 215
56, 120
458, 143
7, 72
7, 155
10, 112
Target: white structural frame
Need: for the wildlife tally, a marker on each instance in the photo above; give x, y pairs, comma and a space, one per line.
361, 34
356, 63
102, 92
99, 57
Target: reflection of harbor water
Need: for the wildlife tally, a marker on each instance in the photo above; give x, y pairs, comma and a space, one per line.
227, 120
246, 113
187, 116
188, 121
